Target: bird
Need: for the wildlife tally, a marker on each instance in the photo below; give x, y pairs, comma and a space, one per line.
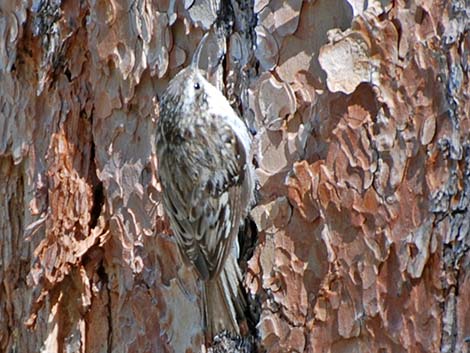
204, 154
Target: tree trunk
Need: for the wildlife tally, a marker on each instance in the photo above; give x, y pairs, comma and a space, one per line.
363, 156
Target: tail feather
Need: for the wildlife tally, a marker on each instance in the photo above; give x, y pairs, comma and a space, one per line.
224, 301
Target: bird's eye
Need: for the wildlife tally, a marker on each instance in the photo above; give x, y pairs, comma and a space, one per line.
197, 85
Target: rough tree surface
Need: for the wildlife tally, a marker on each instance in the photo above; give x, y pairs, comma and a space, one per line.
363, 153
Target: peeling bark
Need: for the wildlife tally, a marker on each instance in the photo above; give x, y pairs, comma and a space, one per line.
363, 156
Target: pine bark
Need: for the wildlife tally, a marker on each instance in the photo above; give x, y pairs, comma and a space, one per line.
363, 158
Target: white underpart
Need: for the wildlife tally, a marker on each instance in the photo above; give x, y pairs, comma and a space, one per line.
220, 104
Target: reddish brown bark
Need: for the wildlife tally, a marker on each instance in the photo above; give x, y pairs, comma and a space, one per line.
363, 160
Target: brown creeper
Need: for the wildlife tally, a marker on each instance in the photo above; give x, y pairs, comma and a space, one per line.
208, 181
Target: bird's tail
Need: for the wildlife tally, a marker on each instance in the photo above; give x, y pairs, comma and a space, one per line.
224, 301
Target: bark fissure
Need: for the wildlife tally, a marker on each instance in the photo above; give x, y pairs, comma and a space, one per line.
361, 235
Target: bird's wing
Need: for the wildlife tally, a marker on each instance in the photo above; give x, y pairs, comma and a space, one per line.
203, 192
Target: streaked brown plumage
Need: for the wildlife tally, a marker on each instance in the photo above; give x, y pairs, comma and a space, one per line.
204, 166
